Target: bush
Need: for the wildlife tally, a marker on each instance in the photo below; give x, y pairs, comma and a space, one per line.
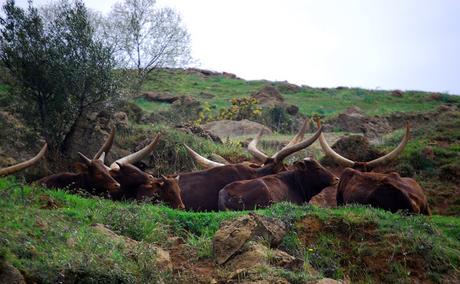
59, 68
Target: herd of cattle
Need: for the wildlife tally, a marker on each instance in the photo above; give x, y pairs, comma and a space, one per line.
246, 185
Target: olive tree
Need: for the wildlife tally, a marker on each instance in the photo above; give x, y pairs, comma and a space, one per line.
146, 37
59, 69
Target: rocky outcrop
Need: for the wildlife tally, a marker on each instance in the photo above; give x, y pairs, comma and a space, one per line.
19, 143
231, 128
162, 260
246, 245
91, 132
269, 96
160, 97
199, 131
233, 235
354, 120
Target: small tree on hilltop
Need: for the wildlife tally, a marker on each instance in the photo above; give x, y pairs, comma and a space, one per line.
59, 69
146, 37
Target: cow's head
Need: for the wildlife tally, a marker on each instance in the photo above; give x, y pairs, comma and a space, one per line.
97, 175
364, 166
313, 176
21, 166
130, 176
164, 189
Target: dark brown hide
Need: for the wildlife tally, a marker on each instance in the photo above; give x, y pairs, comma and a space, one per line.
130, 178
327, 198
298, 186
387, 191
93, 177
200, 190
164, 190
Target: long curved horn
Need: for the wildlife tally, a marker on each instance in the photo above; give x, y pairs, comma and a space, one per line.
393, 154
299, 136
331, 153
219, 159
15, 168
105, 148
252, 148
202, 161
279, 157
137, 156
85, 159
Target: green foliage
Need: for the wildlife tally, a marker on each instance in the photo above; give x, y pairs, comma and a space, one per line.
59, 68
241, 108
61, 242
277, 119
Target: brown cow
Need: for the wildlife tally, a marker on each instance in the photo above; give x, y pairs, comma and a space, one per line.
200, 190
164, 189
95, 176
21, 166
92, 176
387, 191
298, 186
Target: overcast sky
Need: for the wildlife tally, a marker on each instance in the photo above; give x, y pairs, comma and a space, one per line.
386, 44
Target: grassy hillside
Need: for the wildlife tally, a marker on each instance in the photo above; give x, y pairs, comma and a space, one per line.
323, 101
49, 236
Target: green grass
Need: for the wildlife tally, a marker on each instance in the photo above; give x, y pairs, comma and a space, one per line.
327, 102
3, 88
59, 243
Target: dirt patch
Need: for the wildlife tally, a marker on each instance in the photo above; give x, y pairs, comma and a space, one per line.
361, 251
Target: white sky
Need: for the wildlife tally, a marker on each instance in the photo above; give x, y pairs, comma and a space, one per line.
387, 44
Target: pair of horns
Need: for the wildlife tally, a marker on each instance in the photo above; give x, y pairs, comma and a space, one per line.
130, 159
293, 146
18, 167
296, 144
371, 164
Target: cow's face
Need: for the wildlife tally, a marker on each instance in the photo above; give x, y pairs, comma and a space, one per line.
98, 177
131, 176
315, 176
165, 190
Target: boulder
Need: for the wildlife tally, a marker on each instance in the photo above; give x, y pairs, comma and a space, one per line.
199, 131
234, 234
256, 254
231, 128
269, 96
162, 260
354, 120
160, 97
